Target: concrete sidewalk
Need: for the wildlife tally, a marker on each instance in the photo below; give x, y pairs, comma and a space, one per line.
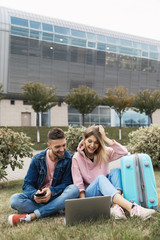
20, 173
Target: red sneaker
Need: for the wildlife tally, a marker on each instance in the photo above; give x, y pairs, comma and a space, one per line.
17, 218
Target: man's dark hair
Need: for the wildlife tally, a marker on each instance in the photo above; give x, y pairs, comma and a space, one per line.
56, 133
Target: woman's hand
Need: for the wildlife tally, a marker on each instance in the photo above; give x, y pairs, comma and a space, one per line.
82, 194
107, 140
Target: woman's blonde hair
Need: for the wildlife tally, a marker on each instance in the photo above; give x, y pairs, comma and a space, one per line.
101, 151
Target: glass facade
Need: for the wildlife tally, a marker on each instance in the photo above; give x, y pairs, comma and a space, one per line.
103, 42
100, 115
66, 57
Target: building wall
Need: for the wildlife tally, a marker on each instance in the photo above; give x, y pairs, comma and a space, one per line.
66, 55
156, 117
11, 115
59, 115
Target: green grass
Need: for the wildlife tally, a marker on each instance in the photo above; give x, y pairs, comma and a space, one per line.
113, 133
53, 227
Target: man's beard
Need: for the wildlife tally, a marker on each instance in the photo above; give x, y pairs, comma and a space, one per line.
56, 155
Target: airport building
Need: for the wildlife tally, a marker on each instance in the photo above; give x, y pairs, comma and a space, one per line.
65, 55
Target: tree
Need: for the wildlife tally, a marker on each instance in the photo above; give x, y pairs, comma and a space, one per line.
120, 100
84, 99
40, 97
147, 102
14, 147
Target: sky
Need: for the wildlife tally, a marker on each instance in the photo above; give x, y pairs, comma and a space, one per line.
136, 17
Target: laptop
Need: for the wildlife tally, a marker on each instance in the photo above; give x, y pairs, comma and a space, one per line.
86, 209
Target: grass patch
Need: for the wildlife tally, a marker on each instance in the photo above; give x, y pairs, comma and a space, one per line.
113, 133
53, 227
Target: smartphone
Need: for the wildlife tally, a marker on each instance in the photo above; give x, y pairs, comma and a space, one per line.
40, 194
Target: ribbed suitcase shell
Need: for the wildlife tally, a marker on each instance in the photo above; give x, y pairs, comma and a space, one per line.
138, 180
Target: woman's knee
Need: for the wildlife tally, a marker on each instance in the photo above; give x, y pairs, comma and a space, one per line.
115, 171
101, 179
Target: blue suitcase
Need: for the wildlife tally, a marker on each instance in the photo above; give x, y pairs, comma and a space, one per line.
138, 180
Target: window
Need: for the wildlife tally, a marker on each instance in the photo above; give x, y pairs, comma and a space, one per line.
77, 33
78, 42
19, 21
47, 36
113, 40
153, 48
124, 42
101, 58
47, 27
144, 46
74, 54
124, 50
153, 55
111, 48
62, 39
145, 54
91, 36
136, 45
101, 46
19, 45
92, 44
47, 50
60, 52
101, 38
35, 34
136, 52
62, 30
18, 31
89, 56
12, 102
25, 102
35, 25
111, 61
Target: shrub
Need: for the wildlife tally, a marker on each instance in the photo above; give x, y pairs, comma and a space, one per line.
73, 136
14, 147
146, 140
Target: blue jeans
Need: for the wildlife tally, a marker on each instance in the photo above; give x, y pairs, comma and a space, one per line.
103, 186
23, 204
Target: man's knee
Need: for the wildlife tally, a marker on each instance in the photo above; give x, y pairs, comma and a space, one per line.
14, 200
73, 189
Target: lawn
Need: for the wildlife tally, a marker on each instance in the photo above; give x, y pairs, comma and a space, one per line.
54, 228
113, 133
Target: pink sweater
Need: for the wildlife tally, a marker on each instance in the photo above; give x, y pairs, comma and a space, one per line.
84, 171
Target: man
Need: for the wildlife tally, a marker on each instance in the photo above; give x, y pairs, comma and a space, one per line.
47, 184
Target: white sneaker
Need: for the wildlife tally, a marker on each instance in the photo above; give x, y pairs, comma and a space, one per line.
142, 212
117, 212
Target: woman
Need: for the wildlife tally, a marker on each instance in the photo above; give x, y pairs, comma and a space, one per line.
90, 172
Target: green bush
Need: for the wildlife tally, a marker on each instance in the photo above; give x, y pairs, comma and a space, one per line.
14, 147
73, 136
146, 140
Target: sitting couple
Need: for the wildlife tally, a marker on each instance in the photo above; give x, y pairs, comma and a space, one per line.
51, 173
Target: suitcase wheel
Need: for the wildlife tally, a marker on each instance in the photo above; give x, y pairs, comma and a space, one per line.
146, 164
152, 200
128, 165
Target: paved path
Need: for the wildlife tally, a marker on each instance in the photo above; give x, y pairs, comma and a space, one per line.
20, 173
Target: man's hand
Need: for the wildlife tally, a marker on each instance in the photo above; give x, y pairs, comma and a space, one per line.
43, 199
